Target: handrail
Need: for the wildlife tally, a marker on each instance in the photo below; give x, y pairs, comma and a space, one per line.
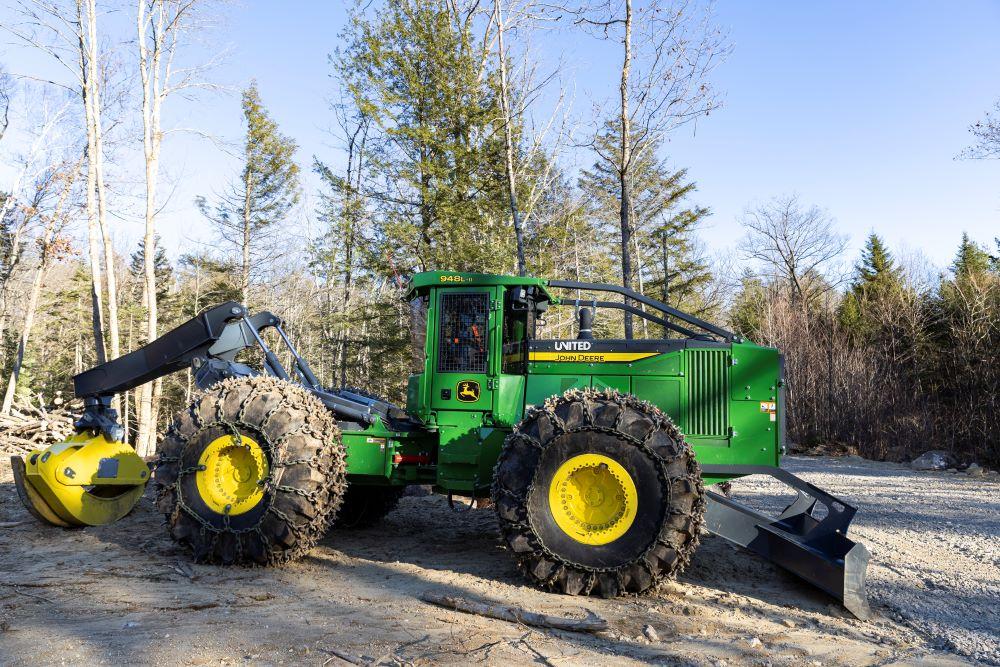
726, 335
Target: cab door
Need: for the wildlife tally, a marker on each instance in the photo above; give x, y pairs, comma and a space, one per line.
464, 366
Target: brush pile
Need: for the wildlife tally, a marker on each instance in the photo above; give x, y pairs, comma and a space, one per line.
32, 424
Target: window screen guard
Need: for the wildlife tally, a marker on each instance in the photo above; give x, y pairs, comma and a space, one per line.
464, 333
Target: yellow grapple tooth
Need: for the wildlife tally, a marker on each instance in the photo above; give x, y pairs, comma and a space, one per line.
32, 500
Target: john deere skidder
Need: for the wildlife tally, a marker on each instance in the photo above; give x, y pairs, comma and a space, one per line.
597, 453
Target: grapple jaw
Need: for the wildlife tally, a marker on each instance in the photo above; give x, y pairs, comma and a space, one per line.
801, 539
87, 480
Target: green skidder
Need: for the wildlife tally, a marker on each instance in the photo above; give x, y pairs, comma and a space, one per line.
599, 455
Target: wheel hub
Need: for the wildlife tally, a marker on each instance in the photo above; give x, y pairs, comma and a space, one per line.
229, 474
593, 499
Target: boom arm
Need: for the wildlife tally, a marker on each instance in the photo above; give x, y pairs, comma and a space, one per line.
209, 343
174, 351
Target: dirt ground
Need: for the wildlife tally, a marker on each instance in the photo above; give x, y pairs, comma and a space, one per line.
126, 594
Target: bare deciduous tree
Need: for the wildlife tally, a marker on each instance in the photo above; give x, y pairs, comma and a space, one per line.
6, 88
515, 213
987, 134
160, 29
668, 51
57, 183
514, 109
32, 166
66, 30
794, 244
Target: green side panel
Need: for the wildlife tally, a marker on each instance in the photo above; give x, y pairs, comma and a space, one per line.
508, 400
491, 442
413, 387
460, 450
366, 452
754, 373
755, 435
707, 405
541, 387
664, 393
620, 383
668, 363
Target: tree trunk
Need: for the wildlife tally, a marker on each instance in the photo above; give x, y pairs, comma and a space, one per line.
149, 69
98, 159
88, 93
126, 419
245, 260
639, 279
29, 320
625, 159
665, 292
94, 247
515, 213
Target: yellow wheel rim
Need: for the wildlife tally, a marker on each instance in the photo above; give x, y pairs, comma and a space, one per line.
593, 499
229, 475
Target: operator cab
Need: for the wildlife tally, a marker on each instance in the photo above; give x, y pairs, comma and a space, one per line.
482, 345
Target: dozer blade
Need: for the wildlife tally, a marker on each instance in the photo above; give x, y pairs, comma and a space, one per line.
801, 539
85, 481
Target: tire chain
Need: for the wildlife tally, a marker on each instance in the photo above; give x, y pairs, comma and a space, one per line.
335, 472
522, 529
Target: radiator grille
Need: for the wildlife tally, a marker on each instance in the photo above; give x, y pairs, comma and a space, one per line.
708, 392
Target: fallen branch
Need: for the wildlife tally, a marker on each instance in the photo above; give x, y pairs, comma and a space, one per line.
346, 657
29, 595
593, 622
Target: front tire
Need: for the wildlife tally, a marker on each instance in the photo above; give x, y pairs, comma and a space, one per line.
598, 493
252, 472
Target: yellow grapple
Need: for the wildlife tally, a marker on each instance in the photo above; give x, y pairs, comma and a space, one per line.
88, 480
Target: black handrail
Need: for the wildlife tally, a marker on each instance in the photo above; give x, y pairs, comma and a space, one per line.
726, 335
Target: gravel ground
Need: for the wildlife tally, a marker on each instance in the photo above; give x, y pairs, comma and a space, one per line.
125, 594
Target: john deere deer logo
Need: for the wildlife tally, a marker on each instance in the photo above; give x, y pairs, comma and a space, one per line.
468, 391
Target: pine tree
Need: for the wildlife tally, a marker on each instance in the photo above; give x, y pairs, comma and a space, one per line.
666, 262
250, 213
164, 272
877, 267
437, 177
877, 284
748, 306
971, 259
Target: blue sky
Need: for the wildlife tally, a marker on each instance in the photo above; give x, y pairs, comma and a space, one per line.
859, 107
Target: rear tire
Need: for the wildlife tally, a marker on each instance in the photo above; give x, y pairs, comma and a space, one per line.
598, 493
364, 506
252, 472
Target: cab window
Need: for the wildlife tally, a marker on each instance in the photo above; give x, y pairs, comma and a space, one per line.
518, 328
464, 333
